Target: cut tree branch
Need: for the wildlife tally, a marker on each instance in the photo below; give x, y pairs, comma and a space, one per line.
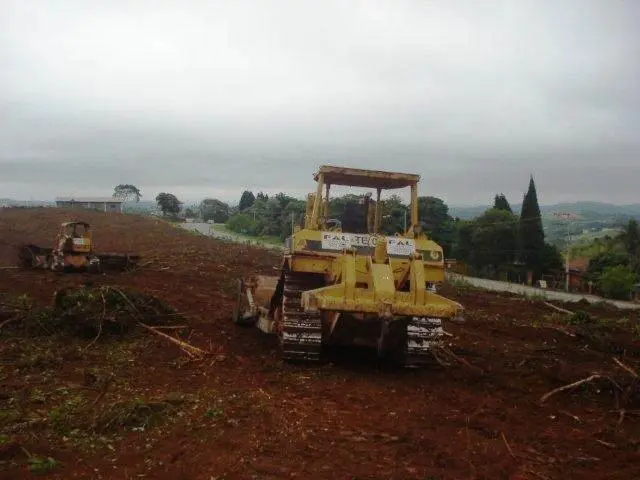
561, 310
570, 386
187, 348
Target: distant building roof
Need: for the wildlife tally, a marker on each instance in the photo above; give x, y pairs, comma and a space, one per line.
89, 199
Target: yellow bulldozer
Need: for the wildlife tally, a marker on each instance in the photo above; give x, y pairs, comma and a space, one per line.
73, 251
340, 287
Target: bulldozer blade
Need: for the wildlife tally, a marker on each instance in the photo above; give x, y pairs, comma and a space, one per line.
255, 298
117, 261
34, 256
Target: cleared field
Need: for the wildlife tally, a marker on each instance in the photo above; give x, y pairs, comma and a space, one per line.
134, 405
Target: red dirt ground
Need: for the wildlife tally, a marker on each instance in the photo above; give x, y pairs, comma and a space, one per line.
246, 415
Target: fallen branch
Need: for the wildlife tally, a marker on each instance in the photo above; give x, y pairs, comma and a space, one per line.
103, 390
536, 474
104, 313
187, 348
560, 329
171, 327
190, 350
590, 379
626, 367
559, 309
504, 439
568, 414
460, 360
606, 444
439, 360
7, 322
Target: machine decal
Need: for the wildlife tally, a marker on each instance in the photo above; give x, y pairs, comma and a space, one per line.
400, 246
340, 241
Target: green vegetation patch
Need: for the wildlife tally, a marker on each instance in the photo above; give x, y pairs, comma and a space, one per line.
88, 312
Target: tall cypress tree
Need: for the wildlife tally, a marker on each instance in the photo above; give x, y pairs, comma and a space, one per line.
501, 203
531, 232
632, 237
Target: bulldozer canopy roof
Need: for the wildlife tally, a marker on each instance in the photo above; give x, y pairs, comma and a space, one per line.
356, 177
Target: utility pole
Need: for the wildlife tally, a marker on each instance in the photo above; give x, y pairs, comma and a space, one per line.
568, 217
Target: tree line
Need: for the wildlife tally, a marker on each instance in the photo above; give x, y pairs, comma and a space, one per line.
497, 244
614, 267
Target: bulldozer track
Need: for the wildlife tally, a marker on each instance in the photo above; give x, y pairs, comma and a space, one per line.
423, 334
300, 332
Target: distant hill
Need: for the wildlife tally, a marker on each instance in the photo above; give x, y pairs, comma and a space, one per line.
128, 206
595, 219
584, 209
26, 203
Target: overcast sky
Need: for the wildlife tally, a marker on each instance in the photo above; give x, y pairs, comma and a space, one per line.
209, 98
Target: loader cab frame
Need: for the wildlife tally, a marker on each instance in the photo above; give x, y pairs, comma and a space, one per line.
318, 204
74, 237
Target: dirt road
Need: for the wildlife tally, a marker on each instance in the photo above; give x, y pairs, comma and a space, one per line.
525, 290
207, 229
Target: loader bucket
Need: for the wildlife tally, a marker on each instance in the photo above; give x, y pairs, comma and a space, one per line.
255, 296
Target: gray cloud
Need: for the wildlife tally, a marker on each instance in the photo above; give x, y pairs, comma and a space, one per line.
208, 98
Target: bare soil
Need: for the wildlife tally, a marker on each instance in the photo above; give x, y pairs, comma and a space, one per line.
133, 406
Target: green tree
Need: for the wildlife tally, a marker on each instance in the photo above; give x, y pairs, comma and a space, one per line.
272, 217
126, 192
551, 258
617, 282
434, 216
463, 246
246, 200
494, 240
243, 223
632, 237
214, 209
190, 213
350, 209
294, 210
263, 197
501, 203
168, 203
392, 215
531, 232
604, 261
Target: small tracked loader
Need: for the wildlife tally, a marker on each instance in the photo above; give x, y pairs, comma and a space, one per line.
340, 287
73, 251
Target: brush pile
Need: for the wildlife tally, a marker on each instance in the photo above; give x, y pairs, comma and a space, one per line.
87, 312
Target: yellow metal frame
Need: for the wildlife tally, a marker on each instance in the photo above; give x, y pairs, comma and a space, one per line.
371, 283
380, 296
68, 230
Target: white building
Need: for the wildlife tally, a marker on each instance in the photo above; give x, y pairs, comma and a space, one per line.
102, 204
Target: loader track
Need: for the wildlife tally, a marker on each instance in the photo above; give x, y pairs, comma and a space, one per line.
301, 332
423, 334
